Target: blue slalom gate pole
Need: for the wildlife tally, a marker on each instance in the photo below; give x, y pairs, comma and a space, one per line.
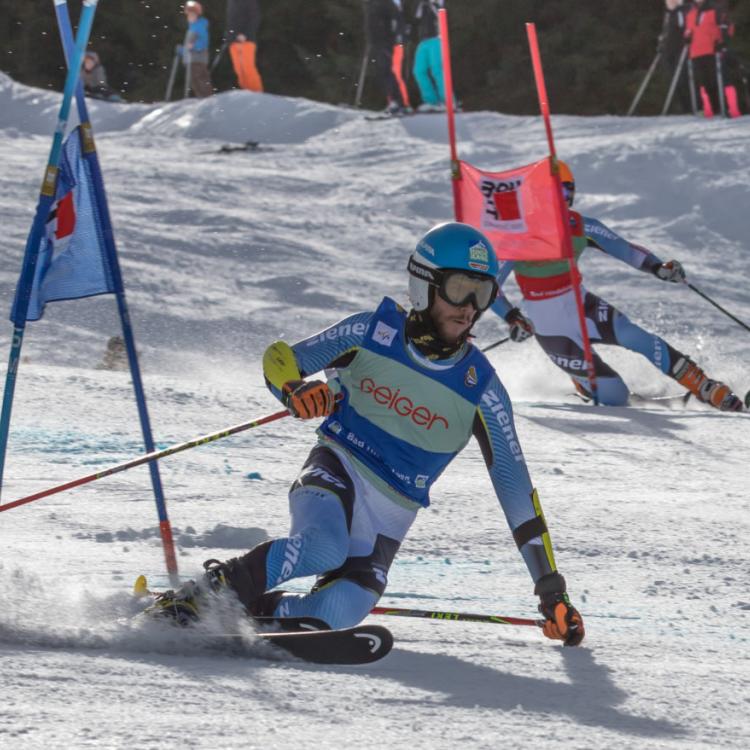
88, 148
46, 198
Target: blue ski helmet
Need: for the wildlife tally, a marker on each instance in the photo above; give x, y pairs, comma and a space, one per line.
452, 246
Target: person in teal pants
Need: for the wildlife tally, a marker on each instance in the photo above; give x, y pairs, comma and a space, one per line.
428, 63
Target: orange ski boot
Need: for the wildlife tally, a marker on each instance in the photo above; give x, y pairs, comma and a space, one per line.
712, 392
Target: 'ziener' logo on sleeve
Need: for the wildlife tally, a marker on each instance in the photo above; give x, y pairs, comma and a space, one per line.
495, 405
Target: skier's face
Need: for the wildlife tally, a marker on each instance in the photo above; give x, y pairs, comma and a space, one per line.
451, 321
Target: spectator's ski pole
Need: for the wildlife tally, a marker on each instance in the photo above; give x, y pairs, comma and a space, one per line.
742, 67
497, 343
153, 456
188, 61
743, 77
172, 74
718, 306
219, 55
675, 80
362, 73
430, 614
691, 80
720, 83
644, 84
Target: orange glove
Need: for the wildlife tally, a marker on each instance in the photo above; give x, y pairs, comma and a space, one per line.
563, 620
307, 400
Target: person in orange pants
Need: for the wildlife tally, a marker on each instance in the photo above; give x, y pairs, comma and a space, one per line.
243, 20
398, 66
398, 54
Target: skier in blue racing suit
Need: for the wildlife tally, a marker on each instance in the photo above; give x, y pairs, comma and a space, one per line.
408, 393
550, 314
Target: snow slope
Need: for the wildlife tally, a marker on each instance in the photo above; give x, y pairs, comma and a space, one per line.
647, 506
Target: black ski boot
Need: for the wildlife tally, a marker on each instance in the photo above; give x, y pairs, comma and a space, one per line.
184, 604
245, 575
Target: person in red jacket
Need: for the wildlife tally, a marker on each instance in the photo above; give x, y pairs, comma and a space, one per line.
708, 29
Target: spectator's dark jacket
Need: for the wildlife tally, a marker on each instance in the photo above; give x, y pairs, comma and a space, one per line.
426, 19
243, 17
672, 37
382, 19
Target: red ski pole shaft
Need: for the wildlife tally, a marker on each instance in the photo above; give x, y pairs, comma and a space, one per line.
153, 456
430, 614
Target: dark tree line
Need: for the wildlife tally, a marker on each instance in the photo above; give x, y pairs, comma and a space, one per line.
595, 52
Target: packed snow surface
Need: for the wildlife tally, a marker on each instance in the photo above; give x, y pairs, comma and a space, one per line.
223, 253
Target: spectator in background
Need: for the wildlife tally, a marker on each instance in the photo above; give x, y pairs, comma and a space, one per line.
708, 30
398, 53
195, 50
428, 62
243, 20
672, 42
95, 79
381, 26
116, 355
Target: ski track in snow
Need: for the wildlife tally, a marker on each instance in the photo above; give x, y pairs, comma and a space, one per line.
647, 506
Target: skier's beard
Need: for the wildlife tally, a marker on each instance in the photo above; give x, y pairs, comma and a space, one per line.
421, 331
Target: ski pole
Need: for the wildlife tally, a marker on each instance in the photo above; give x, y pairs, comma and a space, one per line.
644, 84
361, 79
718, 306
430, 614
219, 54
172, 75
153, 456
497, 343
675, 80
720, 84
691, 79
188, 59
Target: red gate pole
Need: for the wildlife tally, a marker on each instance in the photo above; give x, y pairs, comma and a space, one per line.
561, 209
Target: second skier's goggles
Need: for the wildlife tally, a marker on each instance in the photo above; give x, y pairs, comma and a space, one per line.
569, 192
458, 287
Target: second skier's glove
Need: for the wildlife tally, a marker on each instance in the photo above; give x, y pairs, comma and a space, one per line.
563, 622
521, 328
672, 271
307, 400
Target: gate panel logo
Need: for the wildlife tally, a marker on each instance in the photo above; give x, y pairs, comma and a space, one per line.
502, 208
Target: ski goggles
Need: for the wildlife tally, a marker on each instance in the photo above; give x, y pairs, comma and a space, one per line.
458, 287
569, 192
